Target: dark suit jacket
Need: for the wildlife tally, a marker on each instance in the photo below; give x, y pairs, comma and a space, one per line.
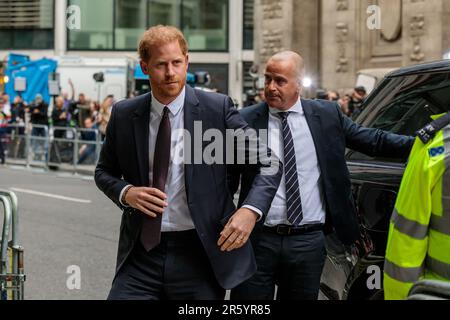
124, 159
332, 132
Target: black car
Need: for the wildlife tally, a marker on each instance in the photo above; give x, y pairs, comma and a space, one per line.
402, 103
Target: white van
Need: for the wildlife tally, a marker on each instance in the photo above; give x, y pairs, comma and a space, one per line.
117, 75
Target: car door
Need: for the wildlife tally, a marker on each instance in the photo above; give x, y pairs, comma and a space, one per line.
400, 105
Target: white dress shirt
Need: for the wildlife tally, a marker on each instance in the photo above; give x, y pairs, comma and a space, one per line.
309, 176
176, 216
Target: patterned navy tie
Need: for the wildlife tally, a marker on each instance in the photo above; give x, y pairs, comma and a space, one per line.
293, 201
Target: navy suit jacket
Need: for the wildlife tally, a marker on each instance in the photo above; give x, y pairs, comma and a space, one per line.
332, 132
124, 159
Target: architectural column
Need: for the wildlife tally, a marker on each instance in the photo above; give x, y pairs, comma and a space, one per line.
306, 37
338, 43
273, 29
60, 27
235, 36
446, 28
426, 30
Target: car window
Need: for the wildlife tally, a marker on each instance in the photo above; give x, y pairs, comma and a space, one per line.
404, 105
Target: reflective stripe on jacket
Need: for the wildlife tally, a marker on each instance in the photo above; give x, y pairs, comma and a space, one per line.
419, 233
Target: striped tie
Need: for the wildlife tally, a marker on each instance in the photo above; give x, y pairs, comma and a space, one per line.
293, 201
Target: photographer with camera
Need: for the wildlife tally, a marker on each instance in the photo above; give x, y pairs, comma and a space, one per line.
59, 117
38, 116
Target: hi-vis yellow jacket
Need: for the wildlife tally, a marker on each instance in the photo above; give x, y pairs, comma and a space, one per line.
419, 234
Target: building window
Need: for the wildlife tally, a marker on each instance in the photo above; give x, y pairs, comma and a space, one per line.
122, 23
249, 6
26, 24
164, 12
97, 25
205, 24
130, 20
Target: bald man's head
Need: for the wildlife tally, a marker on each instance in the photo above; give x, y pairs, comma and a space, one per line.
283, 79
59, 102
294, 58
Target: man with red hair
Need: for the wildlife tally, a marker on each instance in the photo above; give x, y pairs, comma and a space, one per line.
181, 236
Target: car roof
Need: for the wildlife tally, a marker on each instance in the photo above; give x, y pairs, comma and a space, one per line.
379, 73
428, 67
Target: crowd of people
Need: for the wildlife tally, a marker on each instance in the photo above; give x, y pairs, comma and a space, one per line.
350, 103
66, 112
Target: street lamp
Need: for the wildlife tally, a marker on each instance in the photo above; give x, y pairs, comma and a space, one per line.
99, 78
307, 82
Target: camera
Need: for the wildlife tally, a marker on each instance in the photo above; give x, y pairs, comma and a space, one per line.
99, 77
202, 78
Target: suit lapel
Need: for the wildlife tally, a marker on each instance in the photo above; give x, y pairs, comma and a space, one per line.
261, 120
314, 124
141, 121
191, 114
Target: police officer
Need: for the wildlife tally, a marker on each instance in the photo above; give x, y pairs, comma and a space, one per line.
419, 234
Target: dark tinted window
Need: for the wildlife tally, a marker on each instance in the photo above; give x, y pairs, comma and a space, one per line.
26, 24
26, 39
404, 105
249, 6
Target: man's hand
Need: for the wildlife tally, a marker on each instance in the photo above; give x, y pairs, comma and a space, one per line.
238, 229
150, 201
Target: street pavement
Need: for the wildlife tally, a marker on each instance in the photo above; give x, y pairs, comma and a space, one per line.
64, 220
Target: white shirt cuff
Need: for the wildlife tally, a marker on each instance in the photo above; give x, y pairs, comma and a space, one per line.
259, 212
121, 194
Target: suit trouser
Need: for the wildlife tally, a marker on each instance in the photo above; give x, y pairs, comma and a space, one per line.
292, 262
177, 269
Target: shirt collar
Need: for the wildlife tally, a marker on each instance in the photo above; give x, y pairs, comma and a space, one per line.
174, 107
296, 108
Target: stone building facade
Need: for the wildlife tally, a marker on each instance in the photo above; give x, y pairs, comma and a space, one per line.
339, 37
